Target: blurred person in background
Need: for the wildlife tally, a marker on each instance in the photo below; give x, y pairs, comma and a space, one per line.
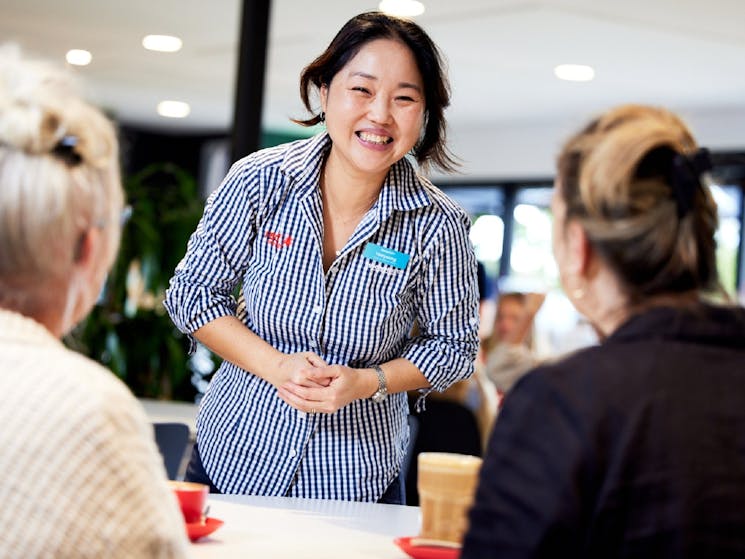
81, 475
636, 447
507, 353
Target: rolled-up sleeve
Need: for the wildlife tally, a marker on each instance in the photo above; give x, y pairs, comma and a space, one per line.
445, 348
217, 253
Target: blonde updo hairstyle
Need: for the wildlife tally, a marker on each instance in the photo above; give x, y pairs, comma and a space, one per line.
59, 177
615, 178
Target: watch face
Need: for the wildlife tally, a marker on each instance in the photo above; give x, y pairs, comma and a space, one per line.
379, 396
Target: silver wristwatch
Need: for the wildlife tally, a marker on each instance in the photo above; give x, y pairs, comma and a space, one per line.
382, 393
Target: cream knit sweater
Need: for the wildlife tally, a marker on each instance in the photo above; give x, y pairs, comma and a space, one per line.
80, 475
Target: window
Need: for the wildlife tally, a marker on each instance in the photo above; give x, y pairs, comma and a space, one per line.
485, 205
729, 234
511, 234
532, 265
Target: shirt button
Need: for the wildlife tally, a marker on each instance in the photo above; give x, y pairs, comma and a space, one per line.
317, 309
313, 343
293, 453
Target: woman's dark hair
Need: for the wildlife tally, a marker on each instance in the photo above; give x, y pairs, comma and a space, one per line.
618, 178
368, 27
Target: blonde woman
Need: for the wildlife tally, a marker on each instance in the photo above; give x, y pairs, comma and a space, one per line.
633, 448
81, 476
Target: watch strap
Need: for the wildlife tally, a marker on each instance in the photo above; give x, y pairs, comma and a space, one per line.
382, 391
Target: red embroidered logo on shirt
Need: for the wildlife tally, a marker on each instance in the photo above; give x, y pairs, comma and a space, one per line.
278, 240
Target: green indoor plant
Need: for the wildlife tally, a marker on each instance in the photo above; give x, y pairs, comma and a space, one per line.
129, 330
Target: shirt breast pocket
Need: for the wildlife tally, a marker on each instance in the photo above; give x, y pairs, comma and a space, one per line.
390, 294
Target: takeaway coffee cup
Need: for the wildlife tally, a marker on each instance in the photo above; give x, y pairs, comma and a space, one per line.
192, 498
446, 485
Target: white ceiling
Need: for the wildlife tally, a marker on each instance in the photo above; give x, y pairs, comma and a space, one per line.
687, 54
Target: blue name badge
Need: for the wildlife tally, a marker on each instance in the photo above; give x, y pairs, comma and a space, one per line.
383, 255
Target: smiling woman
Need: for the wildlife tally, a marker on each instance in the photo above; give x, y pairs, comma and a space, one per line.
374, 111
338, 247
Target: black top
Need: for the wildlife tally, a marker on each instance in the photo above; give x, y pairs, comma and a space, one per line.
634, 448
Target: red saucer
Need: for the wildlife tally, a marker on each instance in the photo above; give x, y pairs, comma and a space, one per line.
426, 551
198, 530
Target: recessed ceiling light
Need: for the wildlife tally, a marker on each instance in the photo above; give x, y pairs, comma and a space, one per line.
401, 8
173, 109
574, 72
78, 57
162, 43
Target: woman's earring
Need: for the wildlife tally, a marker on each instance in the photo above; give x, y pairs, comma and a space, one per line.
322, 116
578, 293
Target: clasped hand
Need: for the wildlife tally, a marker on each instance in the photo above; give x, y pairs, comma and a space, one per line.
310, 385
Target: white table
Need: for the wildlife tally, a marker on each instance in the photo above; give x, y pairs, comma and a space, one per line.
280, 527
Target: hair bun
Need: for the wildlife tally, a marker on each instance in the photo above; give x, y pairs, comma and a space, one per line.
687, 175
30, 95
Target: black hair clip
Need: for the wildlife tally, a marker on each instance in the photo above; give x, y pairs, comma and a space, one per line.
686, 177
65, 150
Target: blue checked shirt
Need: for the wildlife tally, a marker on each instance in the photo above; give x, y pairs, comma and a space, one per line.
262, 229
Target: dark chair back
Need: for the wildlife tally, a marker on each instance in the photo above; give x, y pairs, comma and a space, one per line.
445, 426
172, 440
413, 432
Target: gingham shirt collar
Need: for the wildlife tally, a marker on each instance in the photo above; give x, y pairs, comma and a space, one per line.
401, 190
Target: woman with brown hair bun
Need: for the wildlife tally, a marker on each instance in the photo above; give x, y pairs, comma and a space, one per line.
633, 448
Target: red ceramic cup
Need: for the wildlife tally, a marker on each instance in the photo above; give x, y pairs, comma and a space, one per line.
192, 498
